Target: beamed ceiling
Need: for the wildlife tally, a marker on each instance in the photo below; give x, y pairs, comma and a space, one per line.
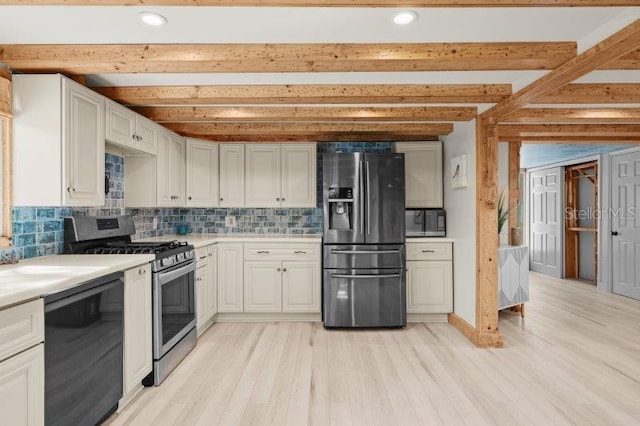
337, 70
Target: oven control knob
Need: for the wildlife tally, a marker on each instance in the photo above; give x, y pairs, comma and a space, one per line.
180, 257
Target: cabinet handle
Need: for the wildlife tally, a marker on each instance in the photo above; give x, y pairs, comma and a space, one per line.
278, 269
263, 252
428, 251
71, 189
141, 272
203, 257
300, 252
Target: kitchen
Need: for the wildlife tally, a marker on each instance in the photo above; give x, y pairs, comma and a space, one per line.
257, 208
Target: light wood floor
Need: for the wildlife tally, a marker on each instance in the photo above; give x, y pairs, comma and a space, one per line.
574, 359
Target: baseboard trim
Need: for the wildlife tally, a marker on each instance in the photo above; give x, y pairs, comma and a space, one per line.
427, 318
265, 317
481, 340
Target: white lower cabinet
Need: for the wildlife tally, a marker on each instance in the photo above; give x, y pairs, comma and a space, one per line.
230, 277
138, 351
206, 286
263, 287
301, 287
429, 282
22, 388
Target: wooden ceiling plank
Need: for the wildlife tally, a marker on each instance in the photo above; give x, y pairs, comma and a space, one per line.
327, 3
524, 131
573, 115
286, 114
582, 140
622, 42
320, 137
309, 128
593, 93
212, 58
306, 94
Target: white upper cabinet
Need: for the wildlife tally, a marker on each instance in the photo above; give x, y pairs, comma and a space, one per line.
201, 173
423, 173
130, 130
231, 175
59, 133
262, 184
299, 186
170, 170
280, 175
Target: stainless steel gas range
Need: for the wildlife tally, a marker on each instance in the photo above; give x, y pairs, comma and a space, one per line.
173, 279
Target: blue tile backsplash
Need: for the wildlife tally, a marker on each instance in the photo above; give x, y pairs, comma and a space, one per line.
38, 231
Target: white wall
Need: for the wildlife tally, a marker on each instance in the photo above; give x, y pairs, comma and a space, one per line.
503, 183
460, 205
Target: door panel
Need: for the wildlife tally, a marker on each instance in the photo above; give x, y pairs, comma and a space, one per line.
342, 176
231, 175
262, 175
263, 287
625, 221
384, 198
546, 222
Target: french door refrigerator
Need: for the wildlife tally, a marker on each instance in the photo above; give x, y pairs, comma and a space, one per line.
364, 283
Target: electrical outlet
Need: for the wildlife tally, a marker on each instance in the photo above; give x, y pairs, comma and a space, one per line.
230, 221
155, 223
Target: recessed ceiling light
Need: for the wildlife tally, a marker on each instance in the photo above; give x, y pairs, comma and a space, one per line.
405, 17
152, 18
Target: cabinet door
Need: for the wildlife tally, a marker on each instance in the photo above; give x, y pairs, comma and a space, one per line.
230, 277
231, 175
138, 356
202, 173
146, 139
423, 173
163, 170
212, 300
299, 185
84, 146
120, 126
202, 295
429, 287
300, 287
177, 170
22, 388
263, 286
262, 186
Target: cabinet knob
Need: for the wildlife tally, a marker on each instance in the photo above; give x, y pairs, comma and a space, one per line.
198, 279
278, 269
221, 199
277, 199
140, 137
210, 254
141, 272
71, 189
190, 198
284, 269
282, 199
614, 233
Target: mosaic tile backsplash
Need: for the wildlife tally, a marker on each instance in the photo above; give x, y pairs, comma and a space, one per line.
38, 231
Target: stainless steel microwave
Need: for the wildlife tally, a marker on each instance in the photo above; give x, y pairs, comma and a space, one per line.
425, 222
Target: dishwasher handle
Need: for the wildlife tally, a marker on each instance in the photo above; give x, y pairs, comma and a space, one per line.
60, 303
365, 251
365, 276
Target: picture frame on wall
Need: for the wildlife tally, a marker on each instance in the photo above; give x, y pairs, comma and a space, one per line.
459, 171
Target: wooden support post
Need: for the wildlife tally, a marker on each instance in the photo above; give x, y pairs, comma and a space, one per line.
514, 185
487, 234
5, 128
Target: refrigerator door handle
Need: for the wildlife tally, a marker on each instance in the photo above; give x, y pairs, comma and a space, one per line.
368, 200
364, 277
361, 203
365, 251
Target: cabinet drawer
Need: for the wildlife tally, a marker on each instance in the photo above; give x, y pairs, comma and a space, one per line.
429, 251
281, 251
202, 256
21, 327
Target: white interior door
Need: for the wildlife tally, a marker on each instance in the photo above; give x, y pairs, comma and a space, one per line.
625, 224
546, 225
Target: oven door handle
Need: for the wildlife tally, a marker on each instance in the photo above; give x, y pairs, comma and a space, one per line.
365, 251
364, 277
168, 276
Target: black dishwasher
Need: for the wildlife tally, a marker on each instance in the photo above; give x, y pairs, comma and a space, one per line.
84, 351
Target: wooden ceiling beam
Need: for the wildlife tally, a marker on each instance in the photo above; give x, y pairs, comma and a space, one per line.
573, 115
327, 3
630, 61
213, 58
525, 132
581, 140
320, 137
593, 93
308, 128
296, 114
306, 94
624, 41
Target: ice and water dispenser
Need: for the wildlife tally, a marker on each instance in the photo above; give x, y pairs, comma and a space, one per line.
340, 208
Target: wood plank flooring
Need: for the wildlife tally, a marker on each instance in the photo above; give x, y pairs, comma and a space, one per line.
574, 359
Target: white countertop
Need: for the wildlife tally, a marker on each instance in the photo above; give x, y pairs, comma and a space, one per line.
37, 277
429, 240
202, 240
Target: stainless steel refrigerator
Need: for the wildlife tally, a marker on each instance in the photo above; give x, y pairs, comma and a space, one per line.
364, 282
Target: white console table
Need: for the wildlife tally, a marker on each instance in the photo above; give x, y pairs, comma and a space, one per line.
513, 277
